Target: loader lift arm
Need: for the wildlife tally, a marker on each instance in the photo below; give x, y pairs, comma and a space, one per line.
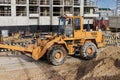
37, 51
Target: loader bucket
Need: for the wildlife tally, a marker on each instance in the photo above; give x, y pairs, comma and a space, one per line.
36, 53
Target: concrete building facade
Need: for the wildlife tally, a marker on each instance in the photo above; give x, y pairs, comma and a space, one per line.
117, 7
41, 14
105, 12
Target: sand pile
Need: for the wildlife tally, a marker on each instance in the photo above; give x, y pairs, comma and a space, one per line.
106, 66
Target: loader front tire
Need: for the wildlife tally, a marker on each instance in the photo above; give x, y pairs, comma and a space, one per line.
57, 55
88, 50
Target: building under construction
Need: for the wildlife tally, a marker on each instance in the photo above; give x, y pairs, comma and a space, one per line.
42, 15
117, 7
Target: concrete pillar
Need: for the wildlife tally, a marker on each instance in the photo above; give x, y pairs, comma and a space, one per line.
45, 2
13, 8
91, 11
51, 11
82, 7
27, 7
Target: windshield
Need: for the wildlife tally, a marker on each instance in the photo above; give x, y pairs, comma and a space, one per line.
65, 26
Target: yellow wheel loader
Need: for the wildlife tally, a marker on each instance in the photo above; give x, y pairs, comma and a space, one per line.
70, 38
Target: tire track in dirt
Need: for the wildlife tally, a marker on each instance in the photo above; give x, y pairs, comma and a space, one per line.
47, 69
117, 63
114, 77
26, 71
85, 67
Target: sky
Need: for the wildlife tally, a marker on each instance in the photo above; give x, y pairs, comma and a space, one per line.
107, 4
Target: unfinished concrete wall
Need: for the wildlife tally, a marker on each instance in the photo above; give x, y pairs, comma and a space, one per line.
40, 12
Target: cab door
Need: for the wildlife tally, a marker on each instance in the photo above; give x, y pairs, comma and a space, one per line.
77, 27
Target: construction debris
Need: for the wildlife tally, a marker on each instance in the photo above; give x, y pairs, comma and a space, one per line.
112, 39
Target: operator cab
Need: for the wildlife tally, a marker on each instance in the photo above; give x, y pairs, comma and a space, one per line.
67, 25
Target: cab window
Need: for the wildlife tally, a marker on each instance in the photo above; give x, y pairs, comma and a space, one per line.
77, 23
69, 27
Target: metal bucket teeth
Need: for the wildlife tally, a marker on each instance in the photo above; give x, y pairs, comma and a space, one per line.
14, 44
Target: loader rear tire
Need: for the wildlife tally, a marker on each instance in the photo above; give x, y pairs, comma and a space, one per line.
57, 55
88, 50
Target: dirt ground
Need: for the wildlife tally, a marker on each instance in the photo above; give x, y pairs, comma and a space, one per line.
106, 66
